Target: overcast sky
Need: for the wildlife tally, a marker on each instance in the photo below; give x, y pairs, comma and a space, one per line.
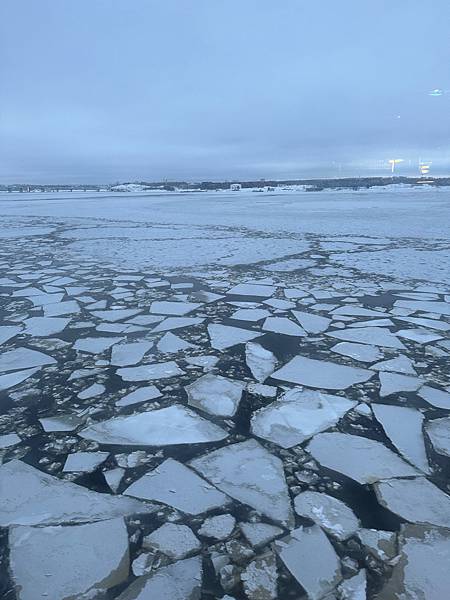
109, 90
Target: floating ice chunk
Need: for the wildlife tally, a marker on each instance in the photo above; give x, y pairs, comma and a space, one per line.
44, 299
295, 293
260, 578
67, 561
207, 362
418, 335
359, 458
207, 297
61, 308
23, 358
173, 540
266, 391
431, 323
30, 497
420, 572
250, 474
123, 355
299, 552
283, 325
162, 427
374, 336
96, 345
84, 462
293, 264
96, 389
371, 323
335, 517
356, 311
176, 485
442, 308
172, 343
249, 289
250, 314
415, 500
223, 336
215, 395
298, 415
403, 426
361, 352
381, 544
9, 439
143, 394
177, 309
354, 588
177, 323
12, 379
280, 303
260, 534
179, 581
310, 322
400, 364
115, 315
7, 332
162, 370
114, 478
60, 423
145, 320
261, 362
438, 431
321, 374
391, 383
45, 326
219, 527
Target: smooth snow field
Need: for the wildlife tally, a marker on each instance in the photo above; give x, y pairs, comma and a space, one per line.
237, 395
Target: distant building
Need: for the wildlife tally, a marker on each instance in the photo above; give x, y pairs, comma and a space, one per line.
235, 187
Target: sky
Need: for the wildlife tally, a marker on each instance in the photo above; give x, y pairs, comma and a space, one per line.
148, 90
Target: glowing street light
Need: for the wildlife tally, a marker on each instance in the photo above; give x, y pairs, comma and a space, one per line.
393, 162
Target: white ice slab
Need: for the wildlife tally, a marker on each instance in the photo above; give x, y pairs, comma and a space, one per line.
298, 415
153, 371
391, 383
68, 307
237, 471
361, 352
84, 462
115, 315
143, 394
176, 309
321, 374
310, 322
23, 358
400, 364
123, 355
438, 431
11, 379
283, 325
250, 314
44, 326
223, 336
7, 332
174, 540
176, 485
163, 427
374, 336
335, 517
359, 458
95, 345
177, 323
249, 289
215, 395
171, 343
260, 361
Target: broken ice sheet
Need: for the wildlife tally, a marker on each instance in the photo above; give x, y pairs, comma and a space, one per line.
223, 336
400, 364
321, 374
415, 500
143, 394
171, 343
421, 336
391, 383
260, 361
84, 462
250, 314
249, 289
298, 415
284, 326
95, 345
403, 426
361, 352
61, 422
96, 389
174, 540
420, 572
359, 458
438, 431
300, 551
116, 314
162, 427
335, 517
310, 322
260, 534
177, 309
67, 561
123, 355
44, 326
177, 323
162, 370
215, 394
181, 580
30, 497
250, 474
176, 485
61, 308
374, 336
12, 379
7, 332
23, 358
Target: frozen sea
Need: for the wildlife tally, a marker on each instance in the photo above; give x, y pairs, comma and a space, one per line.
202, 393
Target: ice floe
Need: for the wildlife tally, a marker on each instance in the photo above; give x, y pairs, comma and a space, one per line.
438, 431
161, 427
224, 336
215, 395
335, 517
261, 362
310, 322
152, 371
